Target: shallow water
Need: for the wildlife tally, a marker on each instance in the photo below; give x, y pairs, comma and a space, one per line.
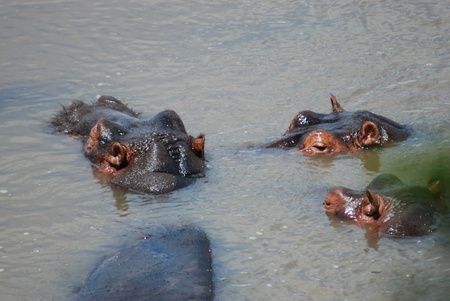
238, 71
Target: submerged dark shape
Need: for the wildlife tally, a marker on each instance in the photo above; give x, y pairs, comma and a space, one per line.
340, 131
389, 206
173, 264
152, 154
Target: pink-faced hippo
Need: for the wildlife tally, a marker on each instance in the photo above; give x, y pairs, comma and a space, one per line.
340, 131
389, 206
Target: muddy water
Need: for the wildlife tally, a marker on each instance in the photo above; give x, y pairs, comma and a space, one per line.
237, 71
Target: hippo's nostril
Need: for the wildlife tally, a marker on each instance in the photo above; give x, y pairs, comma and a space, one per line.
320, 147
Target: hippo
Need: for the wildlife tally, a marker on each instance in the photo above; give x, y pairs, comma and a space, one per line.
340, 131
388, 206
174, 263
143, 154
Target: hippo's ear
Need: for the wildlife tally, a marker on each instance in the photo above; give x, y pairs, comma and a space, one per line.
198, 146
101, 131
96, 135
336, 107
98, 129
369, 133
371, 204
117, 155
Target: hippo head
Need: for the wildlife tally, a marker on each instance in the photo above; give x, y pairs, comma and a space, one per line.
152, 156
389, 206
340, 131
352, 205
146, 154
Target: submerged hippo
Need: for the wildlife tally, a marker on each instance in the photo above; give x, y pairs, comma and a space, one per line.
339, 131
389, 206
172, 264
153, 154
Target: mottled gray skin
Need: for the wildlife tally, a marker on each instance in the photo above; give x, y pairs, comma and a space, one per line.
78, 118
173, 264
144, 154
339, 131
389, 206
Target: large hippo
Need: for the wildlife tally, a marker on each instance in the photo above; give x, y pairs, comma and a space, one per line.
389, 206
172, 264
340, 131
145, 154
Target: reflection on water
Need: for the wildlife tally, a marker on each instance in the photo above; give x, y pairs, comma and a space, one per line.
371, 160
236, 71
122, 195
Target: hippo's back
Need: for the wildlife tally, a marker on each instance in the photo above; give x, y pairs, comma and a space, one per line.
173, 265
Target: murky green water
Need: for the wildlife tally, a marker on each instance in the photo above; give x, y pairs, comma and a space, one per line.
238, 71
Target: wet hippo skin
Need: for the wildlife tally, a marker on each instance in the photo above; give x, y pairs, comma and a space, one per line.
340, 131
172, 264
145, 154
389, 206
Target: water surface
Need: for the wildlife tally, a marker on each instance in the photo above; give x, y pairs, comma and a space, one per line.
238, 71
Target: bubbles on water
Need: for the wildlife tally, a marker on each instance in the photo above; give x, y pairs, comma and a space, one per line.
3, 191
